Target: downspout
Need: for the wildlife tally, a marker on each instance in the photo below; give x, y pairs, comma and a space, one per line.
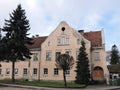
39, 66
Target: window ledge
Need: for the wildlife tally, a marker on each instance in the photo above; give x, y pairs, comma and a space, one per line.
56, 75
63, 44
45, 75
97, 60
34, 75
67, 75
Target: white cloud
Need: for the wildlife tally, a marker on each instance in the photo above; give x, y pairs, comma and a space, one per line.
45, 15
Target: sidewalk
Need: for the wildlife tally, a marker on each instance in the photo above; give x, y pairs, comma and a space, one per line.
92, 87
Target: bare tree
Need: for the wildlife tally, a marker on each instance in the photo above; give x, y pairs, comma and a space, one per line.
64, 62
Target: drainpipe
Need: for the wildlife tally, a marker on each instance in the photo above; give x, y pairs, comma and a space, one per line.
39, 66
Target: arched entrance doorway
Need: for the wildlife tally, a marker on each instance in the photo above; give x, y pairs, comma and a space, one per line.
98, 73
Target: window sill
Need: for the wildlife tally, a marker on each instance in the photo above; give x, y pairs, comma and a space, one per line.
56, 75
45, 75
97, 60
63, 44
16, 74
48, 60
25, 75
35, 60
34, 75
7, 75
67, 75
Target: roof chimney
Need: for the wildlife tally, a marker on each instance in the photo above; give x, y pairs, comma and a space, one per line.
33, 36
37, 35
81, 31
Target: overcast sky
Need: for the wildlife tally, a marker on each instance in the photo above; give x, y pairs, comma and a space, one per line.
90, 15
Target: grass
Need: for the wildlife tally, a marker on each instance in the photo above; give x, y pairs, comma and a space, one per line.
44, 83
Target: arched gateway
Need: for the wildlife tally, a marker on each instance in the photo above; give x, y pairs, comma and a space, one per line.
98, 73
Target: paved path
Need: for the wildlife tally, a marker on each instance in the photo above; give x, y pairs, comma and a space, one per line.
14, 88
22, 87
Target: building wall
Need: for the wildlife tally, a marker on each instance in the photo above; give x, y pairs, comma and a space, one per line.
51, 45
54, 47
101, 62
20, 65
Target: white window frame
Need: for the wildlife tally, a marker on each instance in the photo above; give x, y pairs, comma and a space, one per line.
67, 41
35, 56
58, 41
25, 71
7, 71
57, 54
35, 71
67, 72
97, 55
63, 40
16, 71
56, 71
48, 55
45, 71
68, 52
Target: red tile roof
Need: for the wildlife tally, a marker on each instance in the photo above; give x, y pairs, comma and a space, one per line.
37, 41
95, 38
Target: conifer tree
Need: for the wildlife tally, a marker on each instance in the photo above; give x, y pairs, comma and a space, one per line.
114, 55
16, 38
82, 68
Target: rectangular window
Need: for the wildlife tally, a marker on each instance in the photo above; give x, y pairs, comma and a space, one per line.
34, 71
16, 71
0, 71
58, 41
63, 40
35, 56
48, 55
67, 41
78, 41
7, 71
55, 71
97, 55
57, 55
68, 52
25, 71
67, 72
48, 43
45, 71
77, 53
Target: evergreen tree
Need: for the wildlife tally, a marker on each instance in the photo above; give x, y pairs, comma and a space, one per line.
114, 55
82, 68
16, 38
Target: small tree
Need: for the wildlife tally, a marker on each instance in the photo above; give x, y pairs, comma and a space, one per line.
16, 38
82, 68
64, 62
114, 55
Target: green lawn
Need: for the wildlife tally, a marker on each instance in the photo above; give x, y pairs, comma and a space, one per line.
44, 83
